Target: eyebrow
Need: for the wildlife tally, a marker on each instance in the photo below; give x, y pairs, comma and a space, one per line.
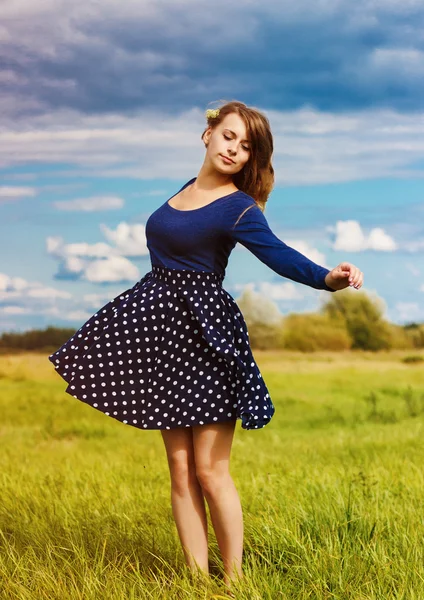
226, 129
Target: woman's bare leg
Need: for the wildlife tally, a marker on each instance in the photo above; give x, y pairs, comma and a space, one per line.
212, 447
188, 504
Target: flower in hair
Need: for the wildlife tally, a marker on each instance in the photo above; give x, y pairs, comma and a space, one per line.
212, 113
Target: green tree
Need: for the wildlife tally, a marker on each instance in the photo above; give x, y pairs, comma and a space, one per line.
362, 314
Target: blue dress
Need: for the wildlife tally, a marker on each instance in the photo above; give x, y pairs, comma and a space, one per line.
173, 350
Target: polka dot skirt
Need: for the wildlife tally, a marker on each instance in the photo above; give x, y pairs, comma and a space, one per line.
172, 351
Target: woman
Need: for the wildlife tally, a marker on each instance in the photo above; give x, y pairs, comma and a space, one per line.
172, 352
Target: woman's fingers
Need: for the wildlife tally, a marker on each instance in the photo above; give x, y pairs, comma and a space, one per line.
355, 277
357, 280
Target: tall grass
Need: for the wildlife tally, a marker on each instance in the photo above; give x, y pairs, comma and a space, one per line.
332, 489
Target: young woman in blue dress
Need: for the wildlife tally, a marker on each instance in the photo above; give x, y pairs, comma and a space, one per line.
239, 148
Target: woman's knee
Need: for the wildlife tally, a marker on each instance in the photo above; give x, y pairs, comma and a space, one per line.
182, 470
213, 478
180, 455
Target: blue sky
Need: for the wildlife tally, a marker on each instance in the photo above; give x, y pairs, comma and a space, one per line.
101, 111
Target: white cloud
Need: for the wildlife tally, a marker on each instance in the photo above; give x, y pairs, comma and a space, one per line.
409, 311
405, 61
413, 269
96, 300
15, 310
9, 193
100, 262
349, 237
15, 288
308, 250
56, 247
113, 269
279, 291
310, 146
77, 315
130, 240
91, 204
414, 246
21, 297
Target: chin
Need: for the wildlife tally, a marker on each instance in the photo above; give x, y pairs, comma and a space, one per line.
223, 168
225, 171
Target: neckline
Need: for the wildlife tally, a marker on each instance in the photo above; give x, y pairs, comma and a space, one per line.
190, 210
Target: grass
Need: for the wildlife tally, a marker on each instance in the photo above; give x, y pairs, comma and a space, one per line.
332, 489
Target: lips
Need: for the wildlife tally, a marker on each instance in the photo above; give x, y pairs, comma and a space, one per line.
227, 159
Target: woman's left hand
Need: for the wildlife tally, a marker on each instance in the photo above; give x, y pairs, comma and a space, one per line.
343, 276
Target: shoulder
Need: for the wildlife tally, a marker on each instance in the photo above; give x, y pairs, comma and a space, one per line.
248, 203
243, 197
240, 206
241, 200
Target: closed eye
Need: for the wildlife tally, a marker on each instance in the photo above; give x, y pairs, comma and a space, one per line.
228, 138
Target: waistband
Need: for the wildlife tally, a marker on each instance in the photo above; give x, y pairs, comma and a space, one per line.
186, 276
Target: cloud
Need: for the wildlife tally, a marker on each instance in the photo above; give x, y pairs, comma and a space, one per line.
21, 297
306, 249
16, 310
10, 193
77, 315
334, 55
113, 269
129, 240
415, 245
96, 300
98, 263
413, 269
101, 262
409, 311
273, 291
91, 204
350, 237
57, 248
311, 147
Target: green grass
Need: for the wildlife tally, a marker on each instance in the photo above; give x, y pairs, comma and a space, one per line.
332, 489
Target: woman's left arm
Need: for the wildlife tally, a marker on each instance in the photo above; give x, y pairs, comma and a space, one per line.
253, 231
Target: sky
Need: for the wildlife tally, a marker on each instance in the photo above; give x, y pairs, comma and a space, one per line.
102, 107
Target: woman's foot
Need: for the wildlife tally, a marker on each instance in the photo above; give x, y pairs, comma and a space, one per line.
230, 582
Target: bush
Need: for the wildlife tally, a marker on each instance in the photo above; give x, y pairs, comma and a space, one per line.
264, 337
413, 359
415, 334
310, 332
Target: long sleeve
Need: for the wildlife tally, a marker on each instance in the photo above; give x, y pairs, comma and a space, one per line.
253, 232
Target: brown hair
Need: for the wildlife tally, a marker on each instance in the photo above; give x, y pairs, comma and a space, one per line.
256, 178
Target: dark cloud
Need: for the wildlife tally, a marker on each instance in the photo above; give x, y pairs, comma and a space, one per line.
101, 58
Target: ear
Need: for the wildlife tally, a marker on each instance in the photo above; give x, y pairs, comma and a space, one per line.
207, 135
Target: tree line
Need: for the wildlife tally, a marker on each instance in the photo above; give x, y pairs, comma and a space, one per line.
348, 320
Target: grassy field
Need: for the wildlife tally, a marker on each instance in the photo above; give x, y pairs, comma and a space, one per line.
332, 489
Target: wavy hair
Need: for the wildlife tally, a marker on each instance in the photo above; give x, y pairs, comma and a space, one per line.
256, 178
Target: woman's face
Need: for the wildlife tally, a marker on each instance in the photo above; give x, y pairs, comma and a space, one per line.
228, 139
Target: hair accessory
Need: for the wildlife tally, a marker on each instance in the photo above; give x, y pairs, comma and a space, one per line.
212, 113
